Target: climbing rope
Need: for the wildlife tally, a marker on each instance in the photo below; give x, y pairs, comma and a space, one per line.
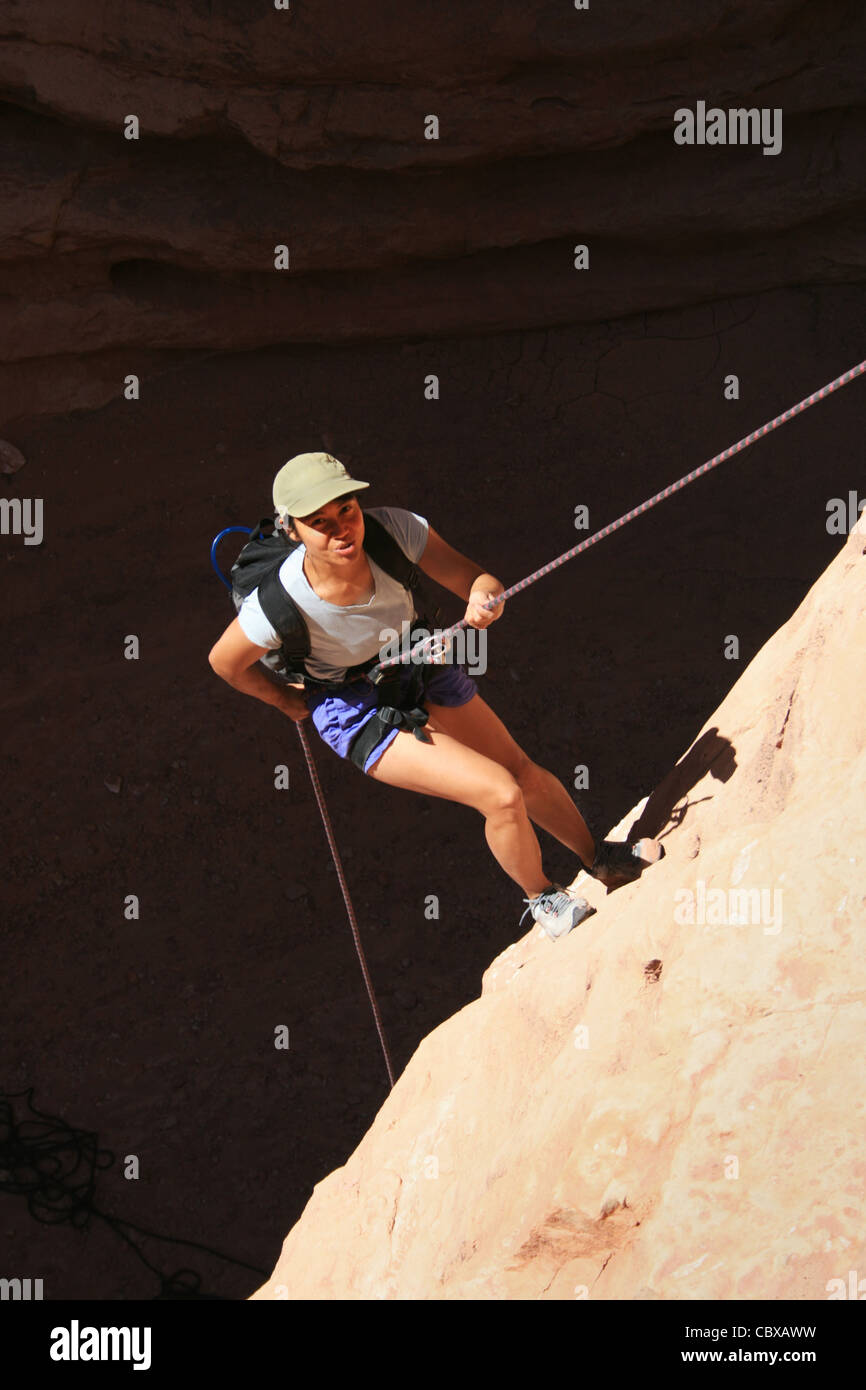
438, 641
323, 811
54, 1165
440, 637
335, 855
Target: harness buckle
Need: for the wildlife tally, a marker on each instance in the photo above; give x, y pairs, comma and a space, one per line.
390, 715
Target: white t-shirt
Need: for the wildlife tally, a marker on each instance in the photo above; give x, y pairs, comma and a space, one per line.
340, 636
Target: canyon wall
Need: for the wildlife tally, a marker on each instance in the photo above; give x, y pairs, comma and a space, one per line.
665, 1103
307, 130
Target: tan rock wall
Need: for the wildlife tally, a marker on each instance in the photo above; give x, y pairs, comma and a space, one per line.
654, 1107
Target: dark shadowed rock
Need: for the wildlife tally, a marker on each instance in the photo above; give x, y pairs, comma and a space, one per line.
555, 130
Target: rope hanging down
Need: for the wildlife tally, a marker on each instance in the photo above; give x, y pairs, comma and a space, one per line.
515, 589
335, 855
636, 511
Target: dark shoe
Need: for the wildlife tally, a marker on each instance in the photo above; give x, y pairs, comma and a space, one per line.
617, 863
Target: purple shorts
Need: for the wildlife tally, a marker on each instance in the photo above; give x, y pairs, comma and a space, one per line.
339, 717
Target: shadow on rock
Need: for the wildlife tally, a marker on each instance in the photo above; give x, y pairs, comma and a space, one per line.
711, 753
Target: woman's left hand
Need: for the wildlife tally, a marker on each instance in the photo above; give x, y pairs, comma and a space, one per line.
476, 614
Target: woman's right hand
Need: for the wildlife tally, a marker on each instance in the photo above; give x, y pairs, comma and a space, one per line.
294, 704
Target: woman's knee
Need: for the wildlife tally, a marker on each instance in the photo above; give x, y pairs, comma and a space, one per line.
453, 771
503, 794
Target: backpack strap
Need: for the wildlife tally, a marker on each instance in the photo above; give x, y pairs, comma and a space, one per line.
384, 549
389, 556
286, 618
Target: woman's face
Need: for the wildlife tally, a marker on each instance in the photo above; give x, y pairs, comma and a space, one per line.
335, 532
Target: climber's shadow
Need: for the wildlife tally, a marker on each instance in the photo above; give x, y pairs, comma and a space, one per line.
712, 753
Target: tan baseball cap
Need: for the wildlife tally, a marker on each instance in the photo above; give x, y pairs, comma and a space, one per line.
308, 481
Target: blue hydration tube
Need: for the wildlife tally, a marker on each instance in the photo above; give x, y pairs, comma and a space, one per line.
216, 540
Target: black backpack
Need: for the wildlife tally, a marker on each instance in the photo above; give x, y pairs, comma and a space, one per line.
258, 567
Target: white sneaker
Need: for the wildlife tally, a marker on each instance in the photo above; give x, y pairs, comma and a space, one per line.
556, 911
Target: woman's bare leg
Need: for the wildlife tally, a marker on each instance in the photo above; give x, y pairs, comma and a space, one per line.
448, 768
547, 802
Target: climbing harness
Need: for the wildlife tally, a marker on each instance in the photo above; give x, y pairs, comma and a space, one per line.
378, 672
396, 709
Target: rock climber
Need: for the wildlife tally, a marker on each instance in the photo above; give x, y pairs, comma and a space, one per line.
461, 750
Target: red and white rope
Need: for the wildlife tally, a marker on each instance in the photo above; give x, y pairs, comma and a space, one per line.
635, 511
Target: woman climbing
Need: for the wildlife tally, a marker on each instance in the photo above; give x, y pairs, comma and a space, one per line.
444, 742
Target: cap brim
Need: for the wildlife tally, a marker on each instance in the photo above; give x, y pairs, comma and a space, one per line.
328, 492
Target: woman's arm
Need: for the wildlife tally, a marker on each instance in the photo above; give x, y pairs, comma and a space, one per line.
234, 658
463, 577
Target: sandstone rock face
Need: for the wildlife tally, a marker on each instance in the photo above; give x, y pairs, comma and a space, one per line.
667, 1103
268, 128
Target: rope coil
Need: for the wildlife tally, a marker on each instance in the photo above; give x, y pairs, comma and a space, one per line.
54, 1165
